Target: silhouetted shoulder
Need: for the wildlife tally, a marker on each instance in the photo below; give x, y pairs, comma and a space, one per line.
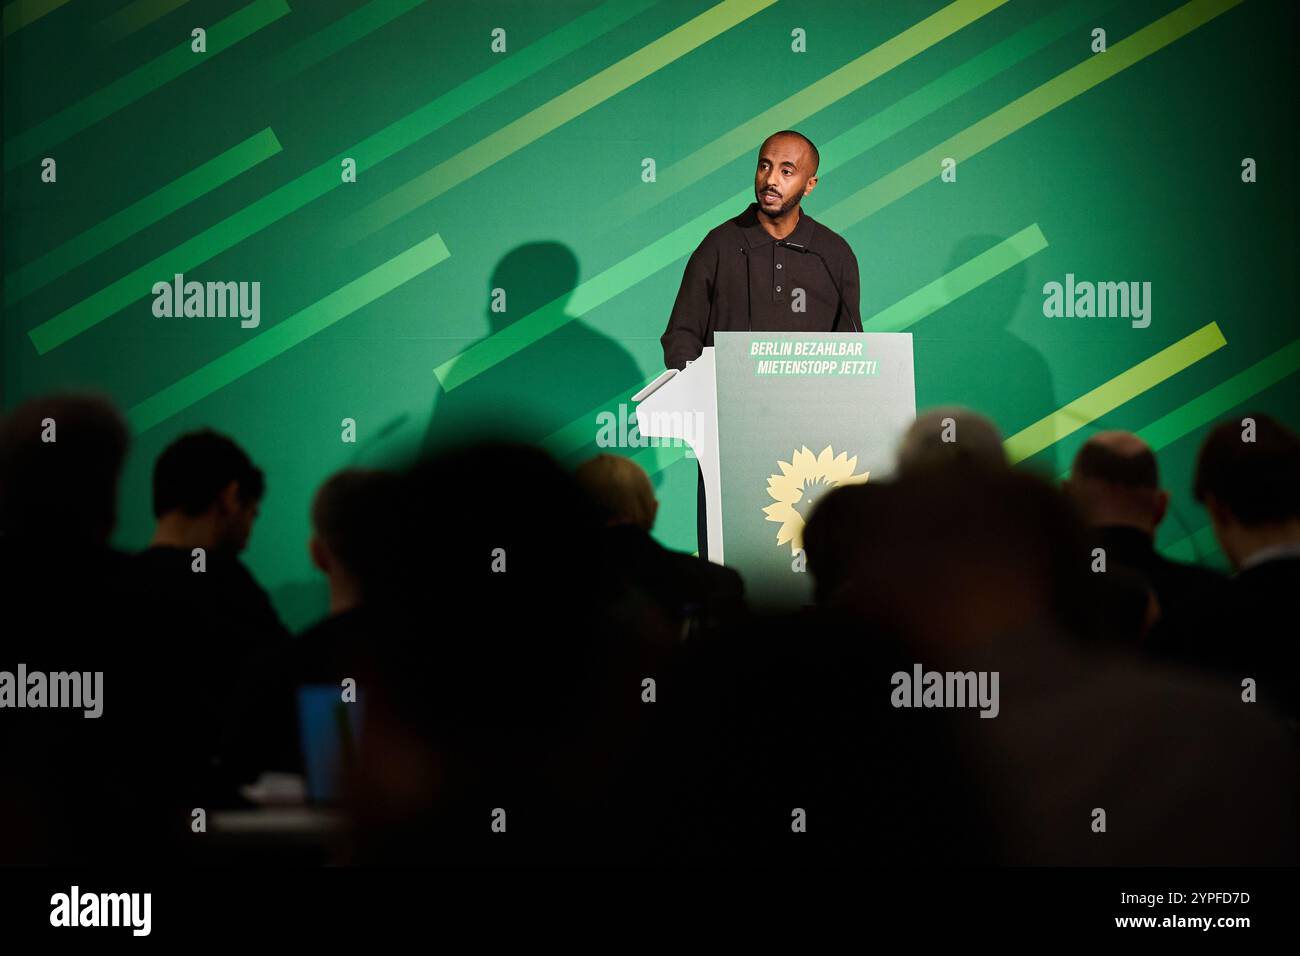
710, 579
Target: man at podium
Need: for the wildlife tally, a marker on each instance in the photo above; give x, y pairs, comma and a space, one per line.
771, 268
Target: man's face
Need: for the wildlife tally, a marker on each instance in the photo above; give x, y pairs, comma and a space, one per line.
242, 525
784, 176
236, 519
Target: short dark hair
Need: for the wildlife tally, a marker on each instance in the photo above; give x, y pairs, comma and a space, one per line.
1103, 463
192, 470
1258, 481
69, 485
356, 512
816, 156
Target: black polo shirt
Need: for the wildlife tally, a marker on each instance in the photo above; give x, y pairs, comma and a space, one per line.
715, 294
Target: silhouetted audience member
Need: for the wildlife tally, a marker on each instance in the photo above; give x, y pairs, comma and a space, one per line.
700, 596
779, 747
950, 435
73, 792
516, 635
356, 516
1115, 483
1248, 478
207, 615
517, 685
990, 575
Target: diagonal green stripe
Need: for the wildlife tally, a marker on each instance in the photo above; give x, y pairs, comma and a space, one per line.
315, 183
1108, 396
948, 88
1220, 399
957, 82
645, 262
1202, 545
532, 126
818, 96
284, 335
930, 298
21, 13
140, 215
1223, 397
658, 457
1047, 431
933, 297
136, 16
141, 82
337, 36
578, 433
1019, 113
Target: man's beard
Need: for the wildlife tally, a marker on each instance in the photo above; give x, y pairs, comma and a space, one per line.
787, 203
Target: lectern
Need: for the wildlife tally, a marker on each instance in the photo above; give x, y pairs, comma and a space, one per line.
776, 419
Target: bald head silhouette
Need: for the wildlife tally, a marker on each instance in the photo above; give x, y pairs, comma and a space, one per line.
1115, 482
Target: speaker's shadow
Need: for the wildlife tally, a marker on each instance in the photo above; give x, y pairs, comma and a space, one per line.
966, 354
546, 385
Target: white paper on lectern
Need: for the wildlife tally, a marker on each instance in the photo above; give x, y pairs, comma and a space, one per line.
685, 406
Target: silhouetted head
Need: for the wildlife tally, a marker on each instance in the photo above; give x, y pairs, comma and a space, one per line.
951, 558
529, 277
60, 459
951, 435
205, 477
355, 515
621, 489
787, 171
1115, 481
1248, 478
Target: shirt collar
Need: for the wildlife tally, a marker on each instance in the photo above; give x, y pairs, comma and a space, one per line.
1290, 549
756, 235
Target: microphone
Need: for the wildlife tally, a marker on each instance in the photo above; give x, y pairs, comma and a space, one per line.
805, 249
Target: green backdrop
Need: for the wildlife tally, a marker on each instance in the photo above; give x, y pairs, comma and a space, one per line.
522, 169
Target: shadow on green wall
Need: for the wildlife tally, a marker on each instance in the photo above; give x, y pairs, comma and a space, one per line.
966, 354
546, 385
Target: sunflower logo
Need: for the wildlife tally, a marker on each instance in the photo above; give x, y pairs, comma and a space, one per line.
804, 479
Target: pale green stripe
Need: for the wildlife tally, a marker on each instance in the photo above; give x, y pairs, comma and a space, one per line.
141, 214
1105, 398
645, 262
955, 84
1220, 399
136, 16
141, 82
480, 357
1019, 113
939, 293
315, 183
20, 13
787, 113
581, 431
1146, 375
1223, 397
1216, 402
934, 296
337, 36
658, 457
549, 116
284, 335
